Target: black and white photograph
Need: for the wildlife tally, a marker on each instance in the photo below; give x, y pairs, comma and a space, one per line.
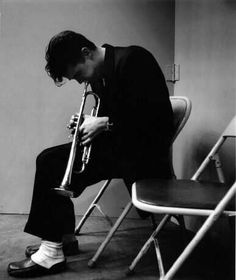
118, 127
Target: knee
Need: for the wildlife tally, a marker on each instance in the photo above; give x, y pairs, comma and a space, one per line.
53, 156
43, 157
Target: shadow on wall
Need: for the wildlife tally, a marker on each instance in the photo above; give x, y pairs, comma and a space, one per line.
223, 230
200, 148
231, 4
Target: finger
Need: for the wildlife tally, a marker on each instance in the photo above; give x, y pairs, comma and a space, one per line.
70, 126
74, 118
81, 129
72, 132
85, 137
90, 134
86, 142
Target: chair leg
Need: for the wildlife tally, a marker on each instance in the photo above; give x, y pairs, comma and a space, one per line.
154, 224
101, 248
159, 258
201, 233
146, 246
92, 206
181, 222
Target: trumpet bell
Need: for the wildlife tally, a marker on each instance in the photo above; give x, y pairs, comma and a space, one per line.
64, 192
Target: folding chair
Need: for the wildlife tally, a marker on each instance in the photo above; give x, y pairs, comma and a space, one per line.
185, 197
94, 204
181, 109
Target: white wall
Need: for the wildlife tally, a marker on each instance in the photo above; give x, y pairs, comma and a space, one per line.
205, 44
34, 112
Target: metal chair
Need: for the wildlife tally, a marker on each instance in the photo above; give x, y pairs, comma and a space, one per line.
94, 204
185, 197
181, 108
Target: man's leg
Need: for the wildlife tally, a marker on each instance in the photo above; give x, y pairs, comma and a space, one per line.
51, 215
49, 207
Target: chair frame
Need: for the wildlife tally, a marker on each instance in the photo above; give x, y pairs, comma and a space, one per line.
212, 214
94, 204
92, 262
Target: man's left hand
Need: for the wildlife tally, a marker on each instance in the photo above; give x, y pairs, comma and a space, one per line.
92, 127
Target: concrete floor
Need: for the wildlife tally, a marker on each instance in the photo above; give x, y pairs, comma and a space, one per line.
208, 262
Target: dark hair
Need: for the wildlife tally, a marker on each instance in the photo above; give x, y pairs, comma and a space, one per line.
62, 50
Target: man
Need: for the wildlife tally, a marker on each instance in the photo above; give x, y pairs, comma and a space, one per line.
131, 137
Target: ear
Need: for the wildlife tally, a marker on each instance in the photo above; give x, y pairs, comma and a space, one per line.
86, 52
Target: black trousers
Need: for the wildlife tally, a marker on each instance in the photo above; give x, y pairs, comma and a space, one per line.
51, 215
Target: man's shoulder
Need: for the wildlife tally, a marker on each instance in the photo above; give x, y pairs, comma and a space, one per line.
126, 51
131, 50
131, 55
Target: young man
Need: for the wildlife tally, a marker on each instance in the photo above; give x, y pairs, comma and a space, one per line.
131, 137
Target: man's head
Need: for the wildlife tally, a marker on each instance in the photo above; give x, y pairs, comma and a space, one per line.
71, 55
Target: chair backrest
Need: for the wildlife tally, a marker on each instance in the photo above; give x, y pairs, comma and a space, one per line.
230, 130
181, 106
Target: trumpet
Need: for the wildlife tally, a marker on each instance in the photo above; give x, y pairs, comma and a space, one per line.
64, 188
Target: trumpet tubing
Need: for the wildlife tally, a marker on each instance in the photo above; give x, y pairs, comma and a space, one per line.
64, 188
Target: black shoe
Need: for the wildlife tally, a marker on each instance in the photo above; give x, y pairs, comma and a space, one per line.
69, 249
27, 268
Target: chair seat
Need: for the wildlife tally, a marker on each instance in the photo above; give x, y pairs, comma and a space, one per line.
182, 193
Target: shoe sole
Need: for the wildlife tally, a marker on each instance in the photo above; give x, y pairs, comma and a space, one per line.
39, 271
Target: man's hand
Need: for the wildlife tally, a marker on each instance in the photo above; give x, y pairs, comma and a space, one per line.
72, 124
92, 127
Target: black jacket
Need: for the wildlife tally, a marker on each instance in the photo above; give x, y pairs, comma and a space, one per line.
136, 100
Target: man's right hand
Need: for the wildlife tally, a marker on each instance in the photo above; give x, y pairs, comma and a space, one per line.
72, 123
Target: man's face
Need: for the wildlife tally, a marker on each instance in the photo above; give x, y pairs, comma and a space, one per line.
83, 71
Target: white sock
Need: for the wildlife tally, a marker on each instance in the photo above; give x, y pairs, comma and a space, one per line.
49, 253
